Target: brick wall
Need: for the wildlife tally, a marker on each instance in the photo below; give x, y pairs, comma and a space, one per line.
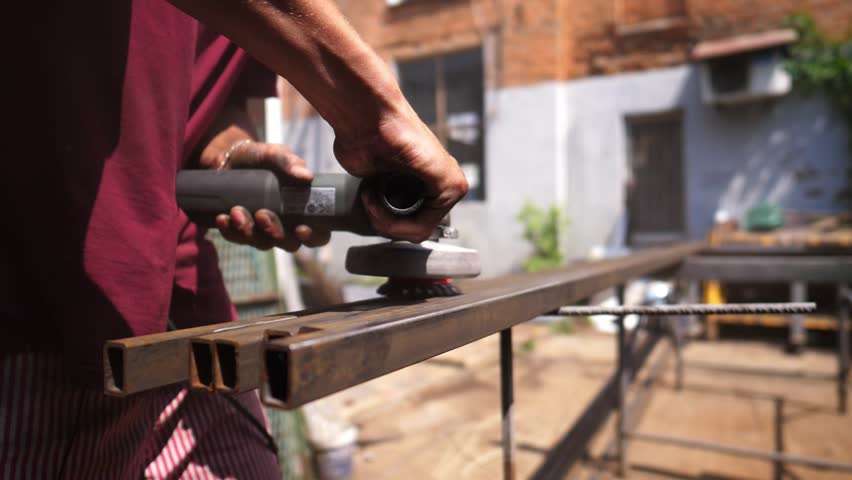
630, 12
532, 41
529, 31
625, 35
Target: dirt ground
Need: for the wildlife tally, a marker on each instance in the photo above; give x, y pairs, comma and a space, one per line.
441, 419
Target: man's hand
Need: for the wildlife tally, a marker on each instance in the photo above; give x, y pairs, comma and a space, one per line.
310, 44
403, 144
263, 230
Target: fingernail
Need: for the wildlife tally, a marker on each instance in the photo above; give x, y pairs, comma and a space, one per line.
303, 232
299, 171
222, 220
263, 219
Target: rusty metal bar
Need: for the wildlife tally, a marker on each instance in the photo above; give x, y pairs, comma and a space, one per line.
235, 357
507, 401
306, 367
136, 364
816, 463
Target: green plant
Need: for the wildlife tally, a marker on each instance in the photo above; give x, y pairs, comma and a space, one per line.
563, 326
818, 64
543, 228
528, 346
569, 325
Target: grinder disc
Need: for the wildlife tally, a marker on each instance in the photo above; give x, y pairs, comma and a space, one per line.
427, 260
413, 288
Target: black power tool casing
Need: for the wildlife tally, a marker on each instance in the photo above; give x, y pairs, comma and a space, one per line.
330, 202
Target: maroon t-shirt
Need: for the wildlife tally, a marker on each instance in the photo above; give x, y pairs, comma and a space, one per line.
106, 98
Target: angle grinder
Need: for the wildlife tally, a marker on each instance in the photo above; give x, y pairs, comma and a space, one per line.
332, 202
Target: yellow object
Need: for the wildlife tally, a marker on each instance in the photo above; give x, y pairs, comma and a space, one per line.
713, 293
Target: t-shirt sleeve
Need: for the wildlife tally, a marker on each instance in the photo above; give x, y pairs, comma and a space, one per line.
255, 81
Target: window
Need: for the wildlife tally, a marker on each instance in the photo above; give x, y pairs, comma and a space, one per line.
447, 92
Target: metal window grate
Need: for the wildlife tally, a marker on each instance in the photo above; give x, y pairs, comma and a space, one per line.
249, 277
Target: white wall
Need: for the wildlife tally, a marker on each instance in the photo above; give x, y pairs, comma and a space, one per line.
566, 143
597, 148
792, 151
522, 163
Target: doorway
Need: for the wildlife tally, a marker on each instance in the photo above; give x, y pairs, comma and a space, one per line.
655, 196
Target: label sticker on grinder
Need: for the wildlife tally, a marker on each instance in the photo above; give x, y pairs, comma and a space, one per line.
316, 202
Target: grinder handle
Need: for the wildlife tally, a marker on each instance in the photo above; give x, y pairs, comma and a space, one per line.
204, 194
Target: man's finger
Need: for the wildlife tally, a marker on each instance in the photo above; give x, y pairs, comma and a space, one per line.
289, 243
279, 158
241, 222
312, 237
275, 157
270, 225
223, 223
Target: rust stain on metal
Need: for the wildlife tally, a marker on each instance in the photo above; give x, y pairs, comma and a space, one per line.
302, 368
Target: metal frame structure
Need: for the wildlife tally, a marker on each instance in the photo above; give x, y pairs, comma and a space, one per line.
303, 356
782, 264
624, 434
793, 265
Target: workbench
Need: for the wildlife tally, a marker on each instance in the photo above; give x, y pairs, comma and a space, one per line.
797, 266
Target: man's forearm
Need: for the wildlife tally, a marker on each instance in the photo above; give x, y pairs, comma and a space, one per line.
311, 44
376, 131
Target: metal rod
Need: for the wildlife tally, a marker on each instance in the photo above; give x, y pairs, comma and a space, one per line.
623, 384
302, 368
571, 447
677, 335
843, 348
779, 437
507, 401
693, 295
817, 463
689, 309
761, 372
797, 334
639, 405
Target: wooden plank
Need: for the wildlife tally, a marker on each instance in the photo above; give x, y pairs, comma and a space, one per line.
812, 322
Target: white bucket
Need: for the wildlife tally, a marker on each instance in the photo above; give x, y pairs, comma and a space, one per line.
335, 464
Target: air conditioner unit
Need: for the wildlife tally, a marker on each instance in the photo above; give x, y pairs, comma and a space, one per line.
744, 77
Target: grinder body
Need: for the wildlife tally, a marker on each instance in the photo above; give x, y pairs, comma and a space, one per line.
332, 201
